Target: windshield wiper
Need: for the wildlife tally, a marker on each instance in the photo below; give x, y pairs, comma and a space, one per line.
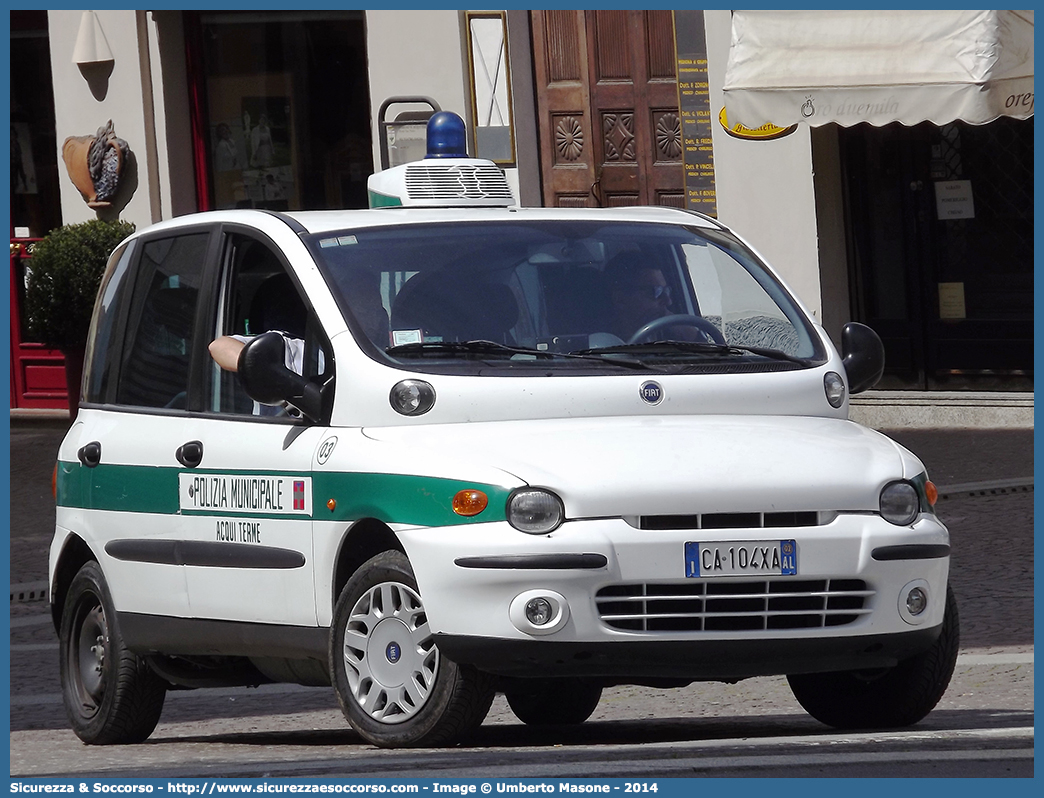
460, 347
492, 348
697, 347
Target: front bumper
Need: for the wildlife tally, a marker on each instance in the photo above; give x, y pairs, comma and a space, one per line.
475, 578
638, 662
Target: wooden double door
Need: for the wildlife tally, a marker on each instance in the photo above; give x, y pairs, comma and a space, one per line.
607, 99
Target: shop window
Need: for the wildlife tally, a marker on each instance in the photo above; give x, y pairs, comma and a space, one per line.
35, 204
286, 111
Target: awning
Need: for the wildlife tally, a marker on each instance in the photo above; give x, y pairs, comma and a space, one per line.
879, 67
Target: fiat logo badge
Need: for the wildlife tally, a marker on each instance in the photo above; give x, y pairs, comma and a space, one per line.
651, 392
393, 652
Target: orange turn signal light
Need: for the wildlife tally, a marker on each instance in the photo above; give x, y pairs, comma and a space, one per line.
931, 492
470, 502
331, 504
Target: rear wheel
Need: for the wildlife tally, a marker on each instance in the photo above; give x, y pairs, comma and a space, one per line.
552, 702
889, 698
111, 695
393, 684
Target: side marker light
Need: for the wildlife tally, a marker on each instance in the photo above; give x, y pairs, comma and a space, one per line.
470, 502
931, 492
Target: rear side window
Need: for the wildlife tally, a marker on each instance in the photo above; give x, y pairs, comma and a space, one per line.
101, 356
159, 343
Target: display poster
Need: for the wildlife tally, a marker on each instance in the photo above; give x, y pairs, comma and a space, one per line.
951, 301
252, 155
954, 200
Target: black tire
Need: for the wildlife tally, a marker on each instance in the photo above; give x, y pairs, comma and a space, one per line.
552, 702
891, 698
111, 695
393, 685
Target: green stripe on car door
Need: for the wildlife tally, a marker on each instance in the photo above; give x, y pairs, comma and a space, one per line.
393, 498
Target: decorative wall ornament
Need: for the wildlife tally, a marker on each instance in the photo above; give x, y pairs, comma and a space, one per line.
569, 138
668, 136
619, 136
96, 163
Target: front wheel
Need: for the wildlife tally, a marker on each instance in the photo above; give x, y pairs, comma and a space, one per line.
552, 702
393, 685
111, 695
894, 697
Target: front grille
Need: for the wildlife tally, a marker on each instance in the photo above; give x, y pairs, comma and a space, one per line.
733, 606
456, 181
735, 520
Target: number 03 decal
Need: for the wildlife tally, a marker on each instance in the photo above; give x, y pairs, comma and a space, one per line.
325, 450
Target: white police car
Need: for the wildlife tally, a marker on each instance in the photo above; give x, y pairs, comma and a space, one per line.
541, 451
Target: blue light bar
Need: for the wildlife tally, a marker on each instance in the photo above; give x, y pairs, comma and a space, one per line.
447, 136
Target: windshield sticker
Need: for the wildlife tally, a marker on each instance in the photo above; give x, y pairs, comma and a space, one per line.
340, 241
234, 493
400, 337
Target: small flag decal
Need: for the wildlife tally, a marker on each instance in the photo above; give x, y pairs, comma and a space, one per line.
299, 494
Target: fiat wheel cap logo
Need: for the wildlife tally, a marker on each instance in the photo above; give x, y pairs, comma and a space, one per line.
651, 392
393, 652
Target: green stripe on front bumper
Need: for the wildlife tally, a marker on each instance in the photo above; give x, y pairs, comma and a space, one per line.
392, 498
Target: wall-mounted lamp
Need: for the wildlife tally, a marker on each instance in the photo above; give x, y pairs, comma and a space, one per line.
91, 45
92, 55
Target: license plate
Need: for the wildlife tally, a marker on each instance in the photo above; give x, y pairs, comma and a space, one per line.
741, 558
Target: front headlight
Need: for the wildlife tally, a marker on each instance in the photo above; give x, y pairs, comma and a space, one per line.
900, 503
534, 511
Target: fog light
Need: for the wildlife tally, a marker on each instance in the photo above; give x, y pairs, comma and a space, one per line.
916, 601
913, 602
539, 611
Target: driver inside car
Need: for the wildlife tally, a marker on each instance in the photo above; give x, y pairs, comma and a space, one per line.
639, 294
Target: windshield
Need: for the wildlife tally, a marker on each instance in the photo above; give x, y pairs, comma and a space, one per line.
562, 295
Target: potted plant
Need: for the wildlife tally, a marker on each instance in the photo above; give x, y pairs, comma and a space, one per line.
63, 279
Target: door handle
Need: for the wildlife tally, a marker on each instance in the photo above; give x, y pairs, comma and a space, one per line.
90, 454
190, 454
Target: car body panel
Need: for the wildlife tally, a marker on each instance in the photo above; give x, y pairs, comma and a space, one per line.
615, 448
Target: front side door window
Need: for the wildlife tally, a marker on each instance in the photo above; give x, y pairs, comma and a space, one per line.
258, 295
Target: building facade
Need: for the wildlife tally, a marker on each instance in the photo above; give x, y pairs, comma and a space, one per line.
294, 109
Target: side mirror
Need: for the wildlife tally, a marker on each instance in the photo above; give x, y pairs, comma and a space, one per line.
862, 354
263, 372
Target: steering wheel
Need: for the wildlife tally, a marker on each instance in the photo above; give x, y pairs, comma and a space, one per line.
644, 333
